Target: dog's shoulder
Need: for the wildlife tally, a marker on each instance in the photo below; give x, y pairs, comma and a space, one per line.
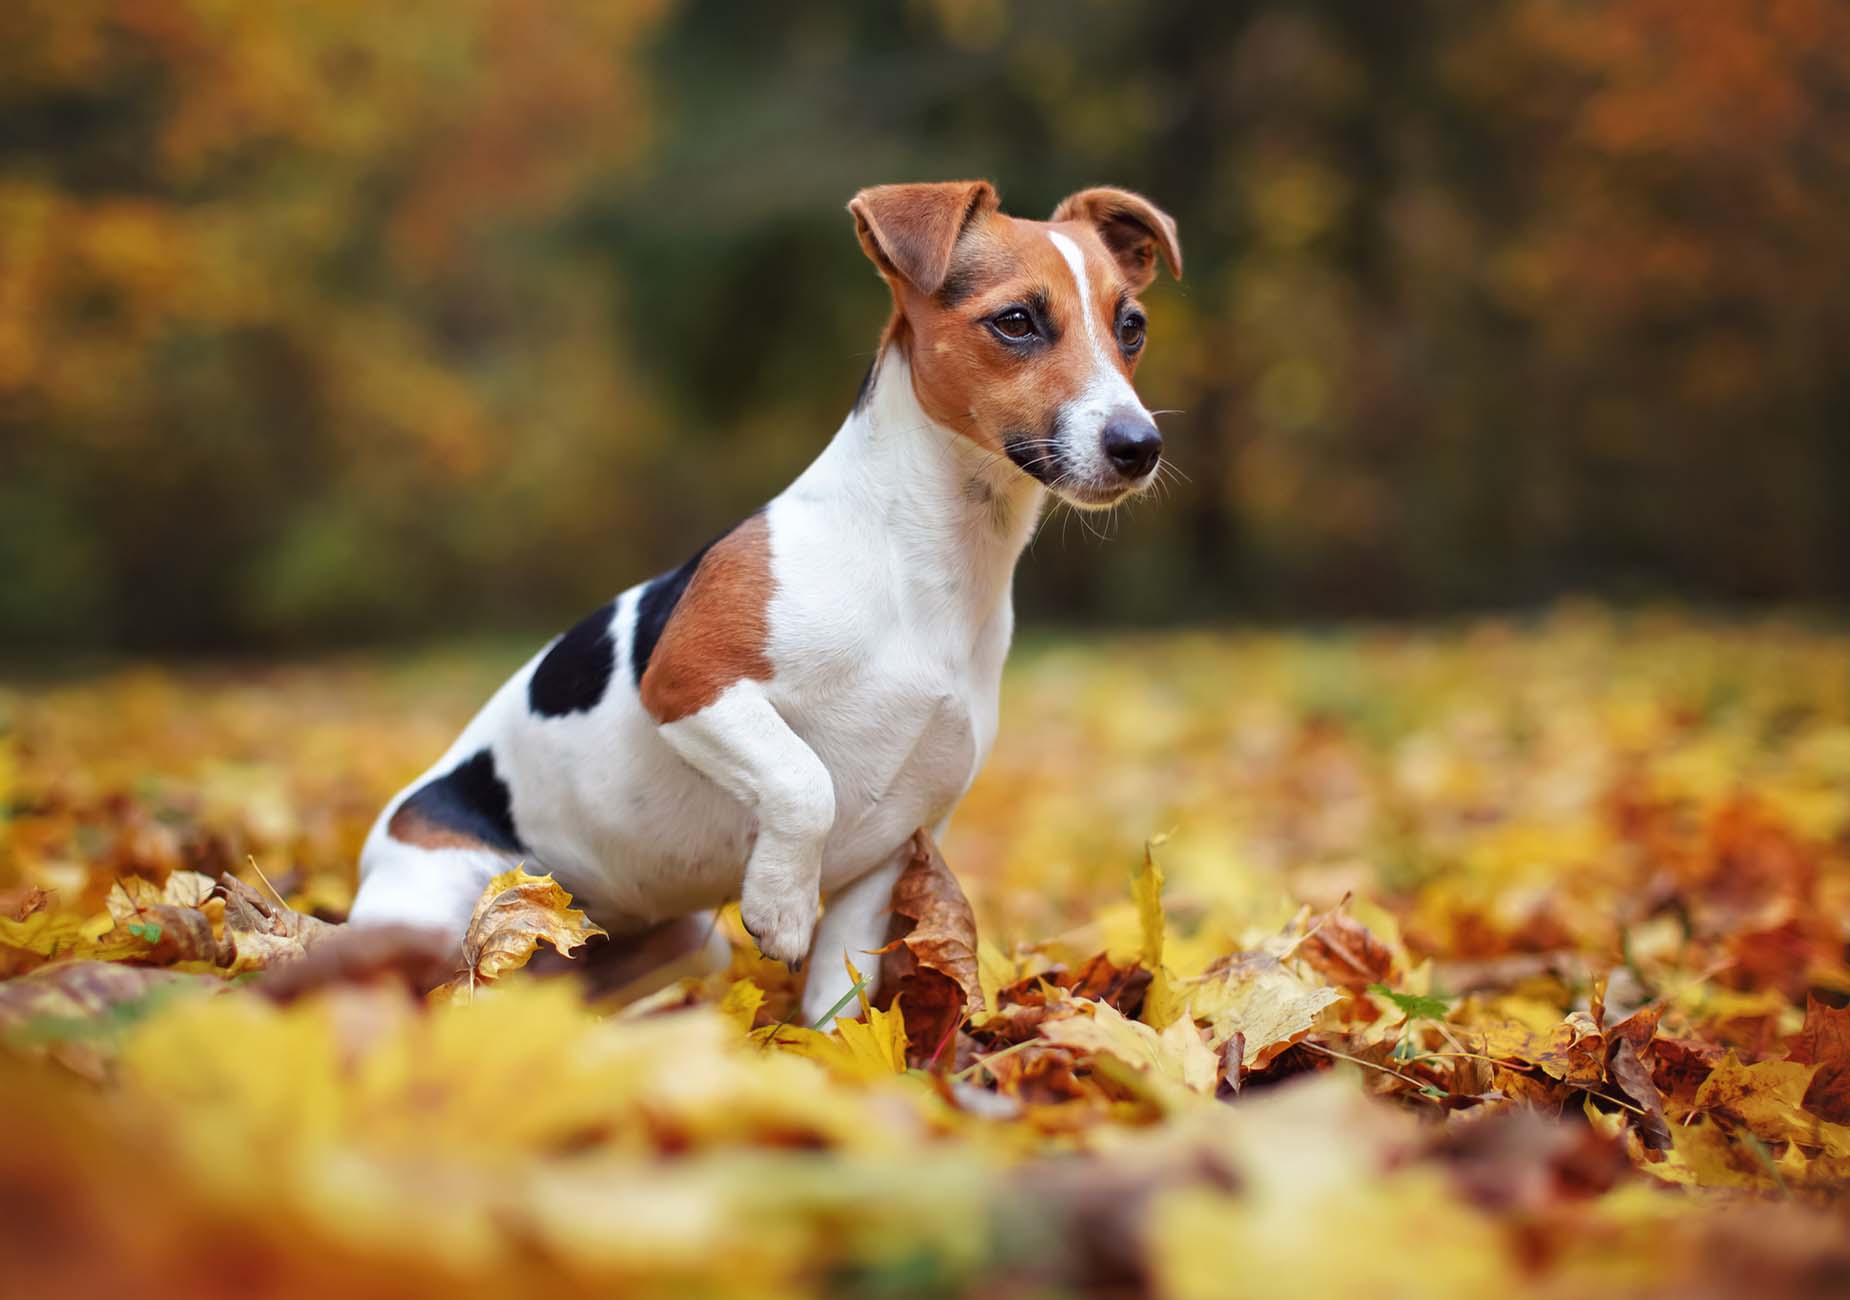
705, 625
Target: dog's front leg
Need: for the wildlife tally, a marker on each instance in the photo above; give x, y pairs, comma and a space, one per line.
746, 748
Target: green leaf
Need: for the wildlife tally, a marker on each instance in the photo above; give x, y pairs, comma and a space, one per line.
148, 931
1415, 1006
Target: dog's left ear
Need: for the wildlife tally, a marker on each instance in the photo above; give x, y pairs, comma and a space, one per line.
1132, 227
910, 231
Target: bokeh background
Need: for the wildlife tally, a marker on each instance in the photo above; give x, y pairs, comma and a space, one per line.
346, 323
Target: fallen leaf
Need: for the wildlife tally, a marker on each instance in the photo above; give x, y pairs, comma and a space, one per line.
261, 931
1767, 1098
1177, 1054
1824, 1041
1630, 1077
48, 935
870, 1047
19, 905
1126, 988
516, 913
74, 1012
1345, 952
1262, 1000
929, 967
1574, 1052
1163, 1003
172, 934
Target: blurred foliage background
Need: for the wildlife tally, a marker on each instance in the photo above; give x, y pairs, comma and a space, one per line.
350, 322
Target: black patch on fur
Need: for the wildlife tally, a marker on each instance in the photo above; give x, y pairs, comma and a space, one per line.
959, 284
576, 672
1041, 308
867, 384
656, 606
1038, 459
470, 799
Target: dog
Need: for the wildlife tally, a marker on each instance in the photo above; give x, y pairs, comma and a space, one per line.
773, 720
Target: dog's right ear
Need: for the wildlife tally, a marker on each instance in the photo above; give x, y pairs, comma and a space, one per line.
910, 230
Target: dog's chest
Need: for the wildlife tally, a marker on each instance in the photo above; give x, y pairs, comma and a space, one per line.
902, 726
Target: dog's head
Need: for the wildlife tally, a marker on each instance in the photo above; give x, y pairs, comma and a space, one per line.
1023, 335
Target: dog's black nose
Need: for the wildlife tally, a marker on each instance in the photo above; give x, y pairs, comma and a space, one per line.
1132, 444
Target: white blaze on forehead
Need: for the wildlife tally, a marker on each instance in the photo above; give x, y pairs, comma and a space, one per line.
1108, 382
1076, 262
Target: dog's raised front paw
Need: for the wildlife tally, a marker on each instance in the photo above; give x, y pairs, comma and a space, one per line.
783, 921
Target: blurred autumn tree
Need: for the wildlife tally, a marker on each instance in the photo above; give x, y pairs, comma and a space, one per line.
343, 321
293, 332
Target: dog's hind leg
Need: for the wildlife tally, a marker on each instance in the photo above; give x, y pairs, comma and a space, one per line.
852, 929
430, 889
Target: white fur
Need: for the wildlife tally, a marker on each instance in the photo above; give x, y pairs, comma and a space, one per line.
890, 617
1106, 393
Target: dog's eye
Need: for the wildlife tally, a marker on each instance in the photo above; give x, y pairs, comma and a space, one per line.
1013, 325
1130, 331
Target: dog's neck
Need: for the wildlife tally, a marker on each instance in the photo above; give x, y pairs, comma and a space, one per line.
957, 514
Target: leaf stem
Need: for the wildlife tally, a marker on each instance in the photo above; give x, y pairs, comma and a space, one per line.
1418, 1086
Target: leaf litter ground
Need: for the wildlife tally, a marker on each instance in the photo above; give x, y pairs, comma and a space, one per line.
1505, 959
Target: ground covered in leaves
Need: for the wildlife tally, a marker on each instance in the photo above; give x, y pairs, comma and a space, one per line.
1499, 960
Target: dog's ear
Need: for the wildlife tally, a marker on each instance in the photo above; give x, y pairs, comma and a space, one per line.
1132, 227
910, 230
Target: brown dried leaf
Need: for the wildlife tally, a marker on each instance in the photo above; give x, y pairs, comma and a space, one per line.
1103, 980
1679, 1065
261, 932
929, 967
1345, 952
1824, 1041
188, 889
516, 913
170, 933
19, 904
1639, 1028
1630, 1077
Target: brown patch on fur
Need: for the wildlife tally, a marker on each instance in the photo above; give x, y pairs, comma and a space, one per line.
910, 230
409, 826
718, 632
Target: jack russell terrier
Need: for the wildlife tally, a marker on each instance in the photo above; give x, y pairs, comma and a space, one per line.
773, 720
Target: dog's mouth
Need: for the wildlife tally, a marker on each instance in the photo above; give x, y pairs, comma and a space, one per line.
1041, 459
1088, 497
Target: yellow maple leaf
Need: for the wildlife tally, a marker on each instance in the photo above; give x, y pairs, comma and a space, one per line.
51, 934
867, 1049
514, 915
1767, 1099
1176, 1055
1263, 1000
